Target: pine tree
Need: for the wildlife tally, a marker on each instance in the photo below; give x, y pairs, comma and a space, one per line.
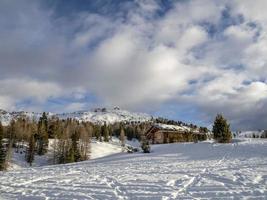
2, 150
221, 130
31, 150
70, 156
144, 142
42, 136
129, 132
75, 146
97, 132
105, 133
52, 130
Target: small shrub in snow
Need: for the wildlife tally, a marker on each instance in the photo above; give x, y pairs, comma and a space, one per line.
131, 149
145, 147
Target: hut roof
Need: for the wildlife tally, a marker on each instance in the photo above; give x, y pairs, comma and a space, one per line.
169, 127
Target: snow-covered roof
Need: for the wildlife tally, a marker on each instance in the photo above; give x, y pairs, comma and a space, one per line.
172, 127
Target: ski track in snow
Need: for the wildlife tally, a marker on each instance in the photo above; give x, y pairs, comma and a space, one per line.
172, 171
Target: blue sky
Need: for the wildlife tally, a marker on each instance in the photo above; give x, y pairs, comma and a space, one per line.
184, 60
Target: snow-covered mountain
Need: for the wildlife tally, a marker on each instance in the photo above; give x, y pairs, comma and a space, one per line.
99, 115
252, 134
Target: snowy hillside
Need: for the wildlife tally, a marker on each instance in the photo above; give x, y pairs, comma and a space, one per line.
6, 117
172, 127
98, 150
204, 170
96, 116
252, 134
109, 116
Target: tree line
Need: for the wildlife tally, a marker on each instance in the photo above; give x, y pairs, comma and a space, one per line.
70, 139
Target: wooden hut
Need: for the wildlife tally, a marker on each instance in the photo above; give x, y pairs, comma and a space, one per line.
163, 133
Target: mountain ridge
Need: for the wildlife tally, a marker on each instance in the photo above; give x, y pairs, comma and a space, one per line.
98, 115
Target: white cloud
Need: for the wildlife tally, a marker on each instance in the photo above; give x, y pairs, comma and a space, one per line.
140, 60
26, 89
76, 106
239, 33
251, 10
7, 103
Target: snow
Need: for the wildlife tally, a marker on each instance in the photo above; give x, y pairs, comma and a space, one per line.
108, 116
98, 150
178, 128
172, 127
251, 134
18, 160
204, 170
102, 149
133, 143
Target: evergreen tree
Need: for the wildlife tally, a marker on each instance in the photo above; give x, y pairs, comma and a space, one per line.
52, 129
42, 136
144, 142
97, 132
2, 150
70, 156
105, 133
221, 130
31, 150
75, 147
45, 121
129, 132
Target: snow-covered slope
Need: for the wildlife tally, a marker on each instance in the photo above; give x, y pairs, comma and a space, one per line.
252, 134
96, 116
6, 117
102, 149
107, 115
204, 170
97, 150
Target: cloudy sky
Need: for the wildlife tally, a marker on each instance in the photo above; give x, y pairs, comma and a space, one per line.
185, 60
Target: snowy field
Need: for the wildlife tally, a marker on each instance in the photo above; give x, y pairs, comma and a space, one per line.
98, 150
172, 171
